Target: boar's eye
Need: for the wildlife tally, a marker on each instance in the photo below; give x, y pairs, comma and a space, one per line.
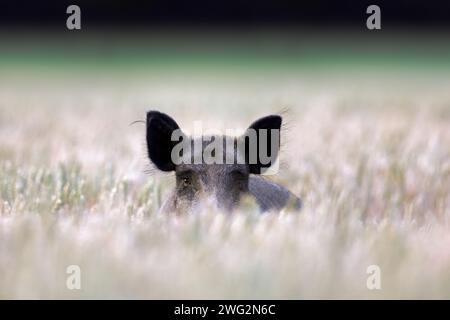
185, 177
186, 181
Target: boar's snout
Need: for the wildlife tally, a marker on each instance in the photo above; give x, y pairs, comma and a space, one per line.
219, 186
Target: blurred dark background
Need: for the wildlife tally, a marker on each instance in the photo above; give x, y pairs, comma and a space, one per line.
231, 13
259, 35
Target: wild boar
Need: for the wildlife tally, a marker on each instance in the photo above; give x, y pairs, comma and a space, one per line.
220, 183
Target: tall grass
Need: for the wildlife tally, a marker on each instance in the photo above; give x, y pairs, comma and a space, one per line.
369, 158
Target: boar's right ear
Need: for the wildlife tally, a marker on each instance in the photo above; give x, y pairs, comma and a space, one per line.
159, 139
266, 143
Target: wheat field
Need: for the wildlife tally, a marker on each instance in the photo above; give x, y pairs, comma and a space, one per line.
368, 155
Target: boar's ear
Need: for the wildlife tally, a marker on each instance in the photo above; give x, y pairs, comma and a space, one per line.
159, 139
262, 143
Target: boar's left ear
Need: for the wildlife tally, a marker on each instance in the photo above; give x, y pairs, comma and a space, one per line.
159, 139
266, 145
